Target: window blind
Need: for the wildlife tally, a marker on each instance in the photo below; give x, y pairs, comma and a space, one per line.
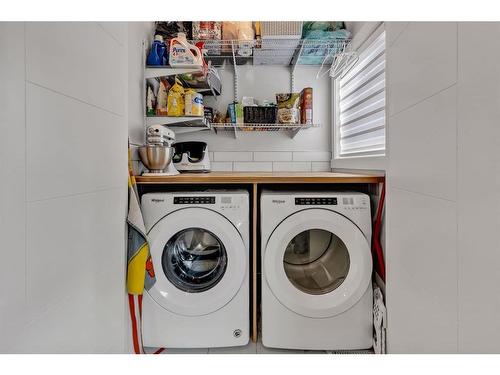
361, 101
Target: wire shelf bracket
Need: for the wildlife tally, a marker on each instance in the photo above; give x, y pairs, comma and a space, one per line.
236, 129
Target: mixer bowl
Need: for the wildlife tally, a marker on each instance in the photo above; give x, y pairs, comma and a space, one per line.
156, 158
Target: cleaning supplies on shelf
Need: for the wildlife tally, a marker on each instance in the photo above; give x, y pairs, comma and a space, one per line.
175, 100
193, 103
158, 53
183, 54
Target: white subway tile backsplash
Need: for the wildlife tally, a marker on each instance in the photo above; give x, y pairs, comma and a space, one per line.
221, 166
233, 156
258, 166
272, 156
321, 166
284, 166
312, 156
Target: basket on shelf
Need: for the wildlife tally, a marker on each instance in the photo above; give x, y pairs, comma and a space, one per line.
279, 42
260, 114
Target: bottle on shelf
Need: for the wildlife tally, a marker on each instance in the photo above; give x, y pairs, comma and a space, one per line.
158, 54
183, 54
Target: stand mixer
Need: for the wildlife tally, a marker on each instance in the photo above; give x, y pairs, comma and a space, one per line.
157, 154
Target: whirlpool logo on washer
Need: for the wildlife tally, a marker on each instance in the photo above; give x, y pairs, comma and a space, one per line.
157, 200
278, 201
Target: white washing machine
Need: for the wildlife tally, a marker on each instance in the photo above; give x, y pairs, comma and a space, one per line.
199, 246
316, 270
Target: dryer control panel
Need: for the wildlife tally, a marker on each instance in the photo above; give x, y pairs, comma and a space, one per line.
315, 201
194, 200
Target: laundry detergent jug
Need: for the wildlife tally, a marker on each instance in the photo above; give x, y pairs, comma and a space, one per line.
183, 54
158, 53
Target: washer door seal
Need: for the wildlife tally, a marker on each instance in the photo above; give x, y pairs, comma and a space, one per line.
178, 299
347, 292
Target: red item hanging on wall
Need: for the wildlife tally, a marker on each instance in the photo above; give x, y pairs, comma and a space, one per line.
377, 252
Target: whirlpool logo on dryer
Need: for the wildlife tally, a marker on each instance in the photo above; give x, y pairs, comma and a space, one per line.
157, 200
278, 201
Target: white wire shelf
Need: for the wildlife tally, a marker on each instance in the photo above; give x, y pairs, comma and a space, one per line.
292, 129
262, 127
274, 51
165, 70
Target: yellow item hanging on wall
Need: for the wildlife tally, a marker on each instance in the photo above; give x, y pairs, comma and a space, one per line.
175, 100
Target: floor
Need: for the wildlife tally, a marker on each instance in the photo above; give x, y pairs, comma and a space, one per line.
255, 348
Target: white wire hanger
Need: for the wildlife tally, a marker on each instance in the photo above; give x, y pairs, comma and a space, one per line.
342, 62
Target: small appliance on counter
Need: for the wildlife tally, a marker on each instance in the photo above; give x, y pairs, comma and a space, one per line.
157, 154
191, 157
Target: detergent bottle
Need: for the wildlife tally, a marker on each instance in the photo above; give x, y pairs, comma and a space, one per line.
157, 55
183, 54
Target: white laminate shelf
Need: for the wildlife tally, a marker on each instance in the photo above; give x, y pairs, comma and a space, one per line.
163, 71
182, 124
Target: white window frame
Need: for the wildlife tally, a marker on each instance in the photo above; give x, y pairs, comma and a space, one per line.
372, 160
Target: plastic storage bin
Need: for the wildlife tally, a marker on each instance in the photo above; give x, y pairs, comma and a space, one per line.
260, 115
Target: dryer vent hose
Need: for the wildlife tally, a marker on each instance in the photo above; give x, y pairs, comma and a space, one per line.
377, 252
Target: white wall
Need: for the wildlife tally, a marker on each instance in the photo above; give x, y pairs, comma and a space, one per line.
443, 200
478, 187
63, 198
421, 203
137, 32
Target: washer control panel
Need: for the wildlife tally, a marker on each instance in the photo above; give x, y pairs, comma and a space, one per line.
315, 201
194, 200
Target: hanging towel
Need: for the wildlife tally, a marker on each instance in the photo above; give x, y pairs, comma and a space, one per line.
140, 273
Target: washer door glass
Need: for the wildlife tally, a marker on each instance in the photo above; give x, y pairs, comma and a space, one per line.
194, 260
316, 261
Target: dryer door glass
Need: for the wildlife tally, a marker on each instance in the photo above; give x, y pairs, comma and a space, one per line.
316, 261
194, 260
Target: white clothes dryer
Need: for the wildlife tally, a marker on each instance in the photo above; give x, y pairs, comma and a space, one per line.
316, 270
199, 243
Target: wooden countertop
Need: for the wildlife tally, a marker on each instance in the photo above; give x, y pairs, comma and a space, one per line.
263, 177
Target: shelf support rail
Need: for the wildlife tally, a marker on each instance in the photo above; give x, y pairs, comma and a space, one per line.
233, 49
236, 96
293, 66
